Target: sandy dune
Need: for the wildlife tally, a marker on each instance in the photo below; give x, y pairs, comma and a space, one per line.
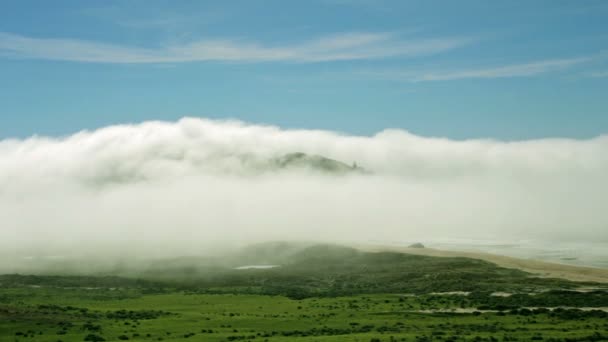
538, 268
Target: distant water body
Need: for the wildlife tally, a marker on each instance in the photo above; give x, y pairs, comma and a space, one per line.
256, 267
594, 254
591, 254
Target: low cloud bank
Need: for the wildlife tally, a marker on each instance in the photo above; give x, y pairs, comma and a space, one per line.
176, 188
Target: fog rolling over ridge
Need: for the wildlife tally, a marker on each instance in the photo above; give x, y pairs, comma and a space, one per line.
176, 188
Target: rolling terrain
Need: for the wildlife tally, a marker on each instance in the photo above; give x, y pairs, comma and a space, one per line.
312, 292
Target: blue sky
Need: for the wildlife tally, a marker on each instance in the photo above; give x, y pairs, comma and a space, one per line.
506, 70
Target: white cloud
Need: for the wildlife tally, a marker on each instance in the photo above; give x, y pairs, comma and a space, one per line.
348, 46
177, 188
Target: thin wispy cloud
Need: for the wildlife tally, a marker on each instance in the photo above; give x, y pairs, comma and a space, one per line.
347, 46
506, 71
376, 4
599, 74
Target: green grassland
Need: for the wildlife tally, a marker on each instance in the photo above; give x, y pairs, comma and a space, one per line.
320, 293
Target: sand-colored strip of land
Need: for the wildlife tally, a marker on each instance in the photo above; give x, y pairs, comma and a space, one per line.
537, 268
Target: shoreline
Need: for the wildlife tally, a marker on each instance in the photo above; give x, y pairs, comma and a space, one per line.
535, 267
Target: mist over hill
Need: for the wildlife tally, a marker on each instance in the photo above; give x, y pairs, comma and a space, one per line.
161, 189
314, 162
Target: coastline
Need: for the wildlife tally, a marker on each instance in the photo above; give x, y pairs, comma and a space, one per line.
535, 267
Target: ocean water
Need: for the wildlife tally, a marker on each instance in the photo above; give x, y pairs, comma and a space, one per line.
593, 254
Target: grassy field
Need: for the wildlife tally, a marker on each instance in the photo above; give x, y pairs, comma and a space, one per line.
308, 299
66, 315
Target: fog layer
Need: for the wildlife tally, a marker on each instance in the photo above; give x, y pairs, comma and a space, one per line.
175, 188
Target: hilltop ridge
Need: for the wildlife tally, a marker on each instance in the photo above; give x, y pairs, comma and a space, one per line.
314, 162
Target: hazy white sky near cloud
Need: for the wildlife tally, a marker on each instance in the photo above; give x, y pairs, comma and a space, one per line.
175, 187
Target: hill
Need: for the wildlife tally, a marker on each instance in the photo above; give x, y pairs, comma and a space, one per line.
299, 160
